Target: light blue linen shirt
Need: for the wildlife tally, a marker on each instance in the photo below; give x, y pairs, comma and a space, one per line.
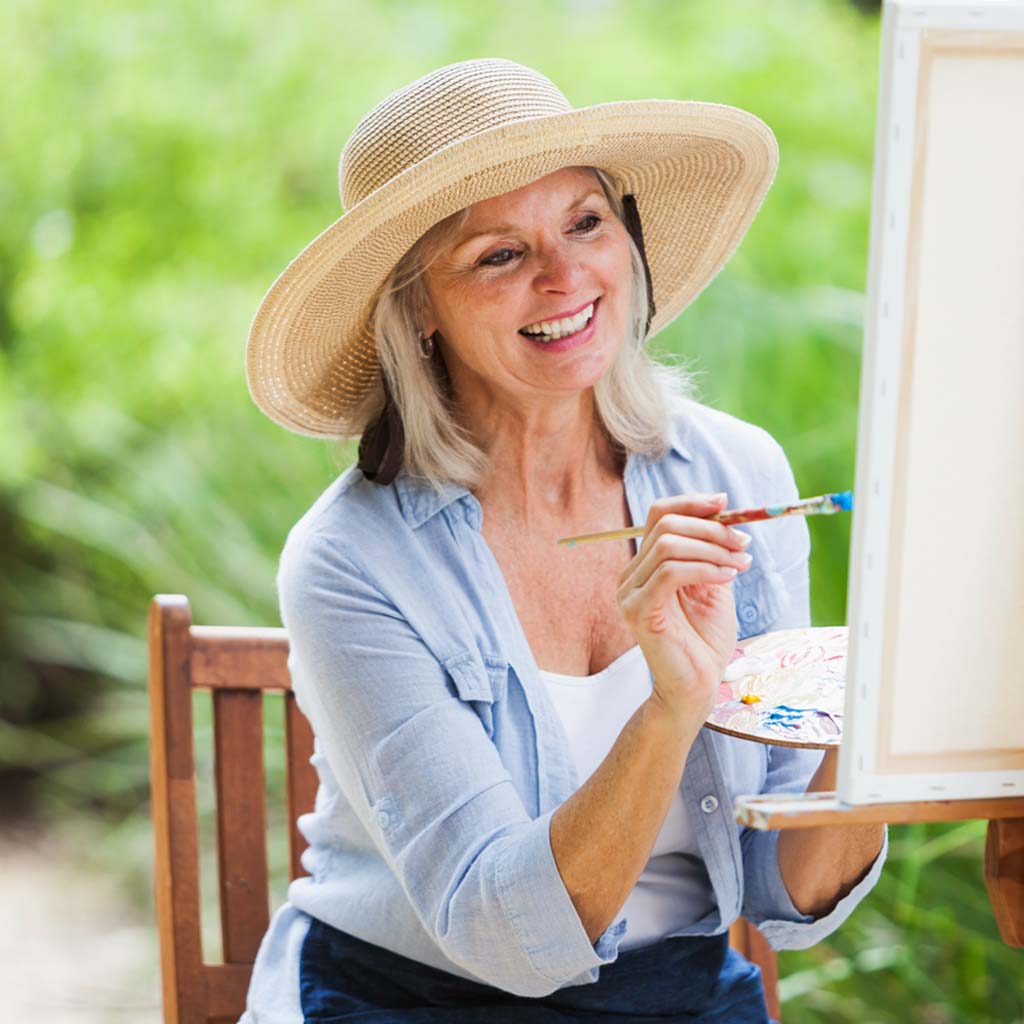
441, 759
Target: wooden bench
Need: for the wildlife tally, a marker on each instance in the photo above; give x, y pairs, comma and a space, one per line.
238, 665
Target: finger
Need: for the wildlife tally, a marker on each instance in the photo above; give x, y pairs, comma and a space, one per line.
697, 505
671, 546
670, 576
705, 529
671, 523
685, 504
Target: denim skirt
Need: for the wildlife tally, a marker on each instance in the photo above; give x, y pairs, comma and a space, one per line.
342, 978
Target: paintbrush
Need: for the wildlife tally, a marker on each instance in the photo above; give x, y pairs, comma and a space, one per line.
824, 505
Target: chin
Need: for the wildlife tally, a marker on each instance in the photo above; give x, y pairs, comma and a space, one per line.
589, 375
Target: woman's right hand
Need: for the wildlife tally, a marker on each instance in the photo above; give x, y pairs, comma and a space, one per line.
676, 598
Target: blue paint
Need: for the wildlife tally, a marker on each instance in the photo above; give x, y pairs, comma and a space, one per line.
775, 510
782, 718
785, 717
843, 501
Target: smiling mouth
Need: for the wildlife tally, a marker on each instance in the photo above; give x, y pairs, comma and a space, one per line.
551, 330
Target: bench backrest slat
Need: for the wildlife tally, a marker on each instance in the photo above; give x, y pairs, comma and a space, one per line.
302, 778
239, 658
241, 821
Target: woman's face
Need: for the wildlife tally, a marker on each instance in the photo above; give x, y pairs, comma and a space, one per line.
548, 252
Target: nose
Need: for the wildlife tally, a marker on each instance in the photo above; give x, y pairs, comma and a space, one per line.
558, 270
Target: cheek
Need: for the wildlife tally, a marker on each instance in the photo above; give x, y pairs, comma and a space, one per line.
614, 271
478, 320
496, 294
470, 306
496, 305
618, 257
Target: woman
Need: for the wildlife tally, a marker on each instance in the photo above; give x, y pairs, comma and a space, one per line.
520, 817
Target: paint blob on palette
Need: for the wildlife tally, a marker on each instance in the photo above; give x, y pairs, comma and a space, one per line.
786, 688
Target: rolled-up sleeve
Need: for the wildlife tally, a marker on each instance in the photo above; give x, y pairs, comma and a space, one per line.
766, 901
415, 762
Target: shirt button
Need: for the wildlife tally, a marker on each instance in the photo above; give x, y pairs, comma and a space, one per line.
709, 804
748, 611
383, 819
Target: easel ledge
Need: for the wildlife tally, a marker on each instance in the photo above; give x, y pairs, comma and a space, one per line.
813, 810
1004, 844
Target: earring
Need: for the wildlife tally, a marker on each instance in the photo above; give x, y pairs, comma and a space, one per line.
426, 345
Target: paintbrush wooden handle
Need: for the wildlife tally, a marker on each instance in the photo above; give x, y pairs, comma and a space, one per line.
825, 504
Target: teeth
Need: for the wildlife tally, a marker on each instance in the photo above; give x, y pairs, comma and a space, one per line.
560, 328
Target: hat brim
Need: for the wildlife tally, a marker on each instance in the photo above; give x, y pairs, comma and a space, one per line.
699, 171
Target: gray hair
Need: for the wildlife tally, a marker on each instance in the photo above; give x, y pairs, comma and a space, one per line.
633, 399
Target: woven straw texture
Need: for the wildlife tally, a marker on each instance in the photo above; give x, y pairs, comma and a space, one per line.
464, 133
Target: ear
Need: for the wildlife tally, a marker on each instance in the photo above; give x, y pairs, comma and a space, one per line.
427, 321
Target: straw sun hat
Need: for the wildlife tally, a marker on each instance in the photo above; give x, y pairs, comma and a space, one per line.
464, 133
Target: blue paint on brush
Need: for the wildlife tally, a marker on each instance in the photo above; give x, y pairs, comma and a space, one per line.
843, 501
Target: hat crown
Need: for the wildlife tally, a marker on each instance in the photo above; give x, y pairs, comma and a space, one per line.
446, 106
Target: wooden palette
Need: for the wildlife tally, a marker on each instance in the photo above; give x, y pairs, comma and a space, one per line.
786, 688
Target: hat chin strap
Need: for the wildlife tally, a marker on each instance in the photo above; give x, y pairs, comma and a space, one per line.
631, 218
382, 446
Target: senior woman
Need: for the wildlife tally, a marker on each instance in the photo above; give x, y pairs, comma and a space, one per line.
520, 817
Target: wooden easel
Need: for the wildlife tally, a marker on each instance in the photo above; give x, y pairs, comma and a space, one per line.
1004, 845
931, 50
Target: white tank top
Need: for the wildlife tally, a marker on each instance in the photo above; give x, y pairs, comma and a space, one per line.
673, 891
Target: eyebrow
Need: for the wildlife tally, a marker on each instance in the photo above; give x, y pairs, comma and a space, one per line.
501, 229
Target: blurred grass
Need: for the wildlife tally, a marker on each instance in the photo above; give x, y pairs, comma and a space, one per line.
162, 163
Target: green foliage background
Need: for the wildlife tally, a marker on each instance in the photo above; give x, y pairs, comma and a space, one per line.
162, 163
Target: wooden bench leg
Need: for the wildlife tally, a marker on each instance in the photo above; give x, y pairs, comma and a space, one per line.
747, 940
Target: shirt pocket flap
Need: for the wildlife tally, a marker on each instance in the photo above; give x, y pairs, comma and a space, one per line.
761, 599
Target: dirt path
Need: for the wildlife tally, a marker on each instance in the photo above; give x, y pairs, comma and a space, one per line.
72, 951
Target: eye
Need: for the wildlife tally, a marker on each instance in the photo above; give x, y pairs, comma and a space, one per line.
494, 261
587, 223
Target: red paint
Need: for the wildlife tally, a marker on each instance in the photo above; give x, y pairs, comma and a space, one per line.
749, 515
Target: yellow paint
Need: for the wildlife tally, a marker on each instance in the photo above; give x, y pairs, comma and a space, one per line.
750, 698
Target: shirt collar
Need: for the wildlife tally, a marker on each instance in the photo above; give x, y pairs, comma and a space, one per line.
420, 501
679, 436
